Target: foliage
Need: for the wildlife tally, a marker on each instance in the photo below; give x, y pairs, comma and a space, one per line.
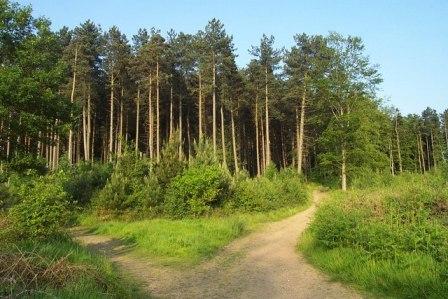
401, 228
170, 164
272, 191
43, 210
58, 268
197, 190
131, 188
83, 180
25, 163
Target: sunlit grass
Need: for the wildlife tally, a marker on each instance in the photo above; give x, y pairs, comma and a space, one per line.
185, 241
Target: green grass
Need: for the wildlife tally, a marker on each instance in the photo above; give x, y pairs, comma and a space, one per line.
390, 241
94, 276
187, 241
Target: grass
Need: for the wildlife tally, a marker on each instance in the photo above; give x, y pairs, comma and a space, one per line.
187, 241
59, 268
390, 241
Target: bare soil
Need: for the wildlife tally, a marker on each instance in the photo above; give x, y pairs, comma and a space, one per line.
264, 264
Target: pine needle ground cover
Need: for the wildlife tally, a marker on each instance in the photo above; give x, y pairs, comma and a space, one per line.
391, 241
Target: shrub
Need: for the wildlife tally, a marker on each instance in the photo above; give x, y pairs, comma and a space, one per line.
131, 188
197, 190
23, 163
83, 180
42, 211
170, 165
272, 191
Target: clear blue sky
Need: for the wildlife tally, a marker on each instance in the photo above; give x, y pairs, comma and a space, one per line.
407, 38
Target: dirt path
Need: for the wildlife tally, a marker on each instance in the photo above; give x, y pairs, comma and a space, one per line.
264, 264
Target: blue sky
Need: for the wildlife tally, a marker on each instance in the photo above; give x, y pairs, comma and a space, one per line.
407, 38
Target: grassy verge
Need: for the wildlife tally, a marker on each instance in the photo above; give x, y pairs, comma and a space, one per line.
391, 241
185, 241
58, 268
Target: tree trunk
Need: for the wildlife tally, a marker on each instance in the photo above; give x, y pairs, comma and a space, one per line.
343, 169
268, 142
111, 125
171, 112
446, 132
120, 128
422, 152
391, 159
400, 163
214, 107
200, 108
428, 155
137, 121
72, 99
300, 136
257, 141
84, 132
235, 156
433, 150
420, 167
89, 124
157, 113
150, 121
223, 142
263, 147
180, 129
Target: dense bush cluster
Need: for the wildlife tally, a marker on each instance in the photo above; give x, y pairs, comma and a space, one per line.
404, 226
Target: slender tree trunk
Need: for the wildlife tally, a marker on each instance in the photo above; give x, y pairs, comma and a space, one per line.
72, 99
214, 107
428, 155
263, 147
391, 159
257, 141
89, 124
92, 147
343, 168
446, 131
235, 156
223, 142
282, 142
180, 129
433, 150
300, 136
84, 132
400, 163
200, 108
422, 152
137, 121
268, 141
120, 128
188, 134
419, 156
150, 121
158, 112
171, 112
111, 125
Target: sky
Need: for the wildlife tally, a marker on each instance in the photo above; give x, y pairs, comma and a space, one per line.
408, 39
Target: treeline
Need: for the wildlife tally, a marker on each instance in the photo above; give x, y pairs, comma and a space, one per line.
85, 94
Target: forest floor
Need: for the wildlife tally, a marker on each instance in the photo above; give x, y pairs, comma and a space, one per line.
263, 264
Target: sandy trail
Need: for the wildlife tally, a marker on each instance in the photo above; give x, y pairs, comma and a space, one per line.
264, 264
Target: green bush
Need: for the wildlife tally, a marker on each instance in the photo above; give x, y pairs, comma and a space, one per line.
197, 190
131, 188
43, 210
402, 226
170, 165
269, 192
83, 180
23, 163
